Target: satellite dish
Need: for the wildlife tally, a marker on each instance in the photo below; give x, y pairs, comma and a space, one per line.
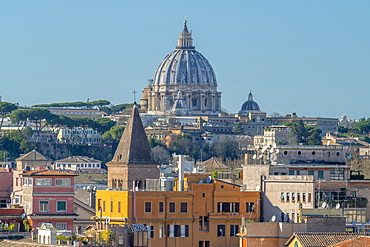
273, 218
200, 181
257, 147
260, 156
349, 157
337, 206
258, 187
271, 150
209, 179
323, 205
254, 156
328, 143
277, 151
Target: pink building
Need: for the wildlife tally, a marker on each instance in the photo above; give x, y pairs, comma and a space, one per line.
48, 196
6, 186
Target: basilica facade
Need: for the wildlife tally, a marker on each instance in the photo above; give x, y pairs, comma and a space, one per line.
184, 83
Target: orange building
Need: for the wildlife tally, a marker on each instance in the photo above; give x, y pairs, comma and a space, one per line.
207, 214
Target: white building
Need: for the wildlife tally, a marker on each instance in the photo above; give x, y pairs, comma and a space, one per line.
78, 163
79, 135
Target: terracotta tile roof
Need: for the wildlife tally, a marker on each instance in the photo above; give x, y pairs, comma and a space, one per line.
32, 156
360, 241
77, 159
213, 164
321, 239
48, 173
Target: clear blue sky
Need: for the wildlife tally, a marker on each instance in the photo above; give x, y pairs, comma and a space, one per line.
308, 57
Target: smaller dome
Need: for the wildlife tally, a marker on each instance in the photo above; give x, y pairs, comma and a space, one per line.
249, 106
180, 107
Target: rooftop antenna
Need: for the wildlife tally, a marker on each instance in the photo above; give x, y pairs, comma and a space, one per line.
134, 92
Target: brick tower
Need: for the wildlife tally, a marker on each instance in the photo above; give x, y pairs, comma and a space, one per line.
133, 159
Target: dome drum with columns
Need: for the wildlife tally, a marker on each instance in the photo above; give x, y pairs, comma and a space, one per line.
188, 71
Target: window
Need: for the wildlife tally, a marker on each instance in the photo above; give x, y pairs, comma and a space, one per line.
44, 206
309, 197
282, 196
2, 203
119, 207
298, 197
148, 207
298, 172
293, 197
304, 197
63, 182
104, 206
250, 207
160, 207
183, 207
111, 206
288, 197
228, 206
161, 234
234, 229
291, 172
310, 172
172, 207
178, 230
320, 175
150, 231
43, 181
336, 173
221, 230
61, 206
61, 226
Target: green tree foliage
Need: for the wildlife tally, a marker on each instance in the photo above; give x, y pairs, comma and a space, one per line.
15, 144
114, 134
239, 129
5, 108
103, 124
363, 127
153, 142
306, 134
342, 129
77, 104
185, 145
35, 115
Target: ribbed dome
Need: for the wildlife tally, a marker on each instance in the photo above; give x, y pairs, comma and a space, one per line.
185, 65
249, 105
